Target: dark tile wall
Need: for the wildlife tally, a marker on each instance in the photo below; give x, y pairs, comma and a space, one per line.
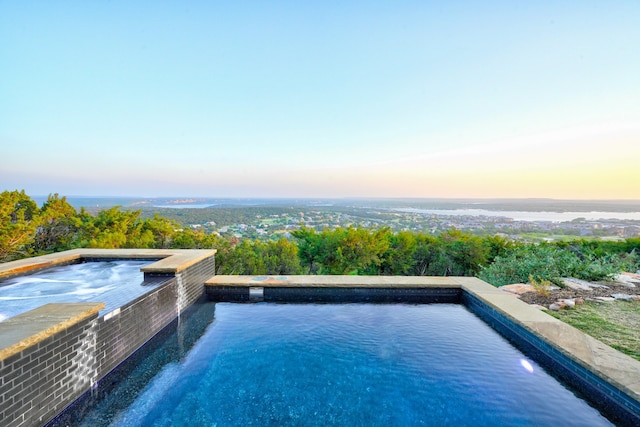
39, 382
611, 401
122, 334
337, 295
193, 279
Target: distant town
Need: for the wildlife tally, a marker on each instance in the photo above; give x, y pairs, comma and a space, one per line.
279, 225
270, 219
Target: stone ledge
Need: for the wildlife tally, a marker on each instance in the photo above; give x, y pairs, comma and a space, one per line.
32, 327
334, 281
170, 260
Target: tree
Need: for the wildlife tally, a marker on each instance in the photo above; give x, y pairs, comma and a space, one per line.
425, 255
465, 253
58, 226
343, 250
18, 223
310, 249
281, 257
114, 228
398, 259
161, 230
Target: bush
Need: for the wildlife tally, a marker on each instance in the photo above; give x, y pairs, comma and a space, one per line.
549, 263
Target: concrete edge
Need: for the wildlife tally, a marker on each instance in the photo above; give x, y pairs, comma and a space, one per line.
32, 327
333, 281
611, 365
170, 260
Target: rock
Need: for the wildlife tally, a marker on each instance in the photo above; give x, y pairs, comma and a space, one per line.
517, 288
623, 297
558, 305
554, 307
562, 304
579, 301
581, 285
605, 299
629, 280
575, 284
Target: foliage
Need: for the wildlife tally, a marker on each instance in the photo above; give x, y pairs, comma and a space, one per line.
397, 259
381, 252
18, 223
26, 230
58, 228
258, 258
222, 216
343, 250
542, 286
550, 263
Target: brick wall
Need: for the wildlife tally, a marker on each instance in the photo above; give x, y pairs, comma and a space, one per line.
42, 379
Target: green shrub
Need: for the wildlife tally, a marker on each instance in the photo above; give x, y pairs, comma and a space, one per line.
549, 263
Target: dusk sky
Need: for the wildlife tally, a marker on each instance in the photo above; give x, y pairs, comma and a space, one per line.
321, 99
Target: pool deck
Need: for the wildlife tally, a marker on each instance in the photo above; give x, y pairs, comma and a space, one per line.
169, 260
609, 364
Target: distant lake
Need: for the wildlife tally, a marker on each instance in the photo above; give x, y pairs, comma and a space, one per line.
529, 216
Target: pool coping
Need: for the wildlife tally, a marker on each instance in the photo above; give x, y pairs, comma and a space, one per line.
169, 261
32, 327
612, 366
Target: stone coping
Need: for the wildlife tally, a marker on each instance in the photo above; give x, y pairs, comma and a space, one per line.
334, 281
32, 327
609, 364
170, 260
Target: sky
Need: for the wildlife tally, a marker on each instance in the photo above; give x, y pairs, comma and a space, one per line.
321, 99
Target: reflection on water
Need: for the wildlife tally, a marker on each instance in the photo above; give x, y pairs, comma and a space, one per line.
528, 216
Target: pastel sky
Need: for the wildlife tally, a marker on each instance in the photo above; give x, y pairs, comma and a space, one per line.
321, 98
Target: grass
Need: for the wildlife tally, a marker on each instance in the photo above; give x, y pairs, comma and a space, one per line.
615, 323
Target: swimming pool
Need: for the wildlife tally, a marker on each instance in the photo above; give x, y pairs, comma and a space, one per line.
344, 364
42, 350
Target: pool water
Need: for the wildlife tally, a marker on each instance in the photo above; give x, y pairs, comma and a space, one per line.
113, 282
349, 364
